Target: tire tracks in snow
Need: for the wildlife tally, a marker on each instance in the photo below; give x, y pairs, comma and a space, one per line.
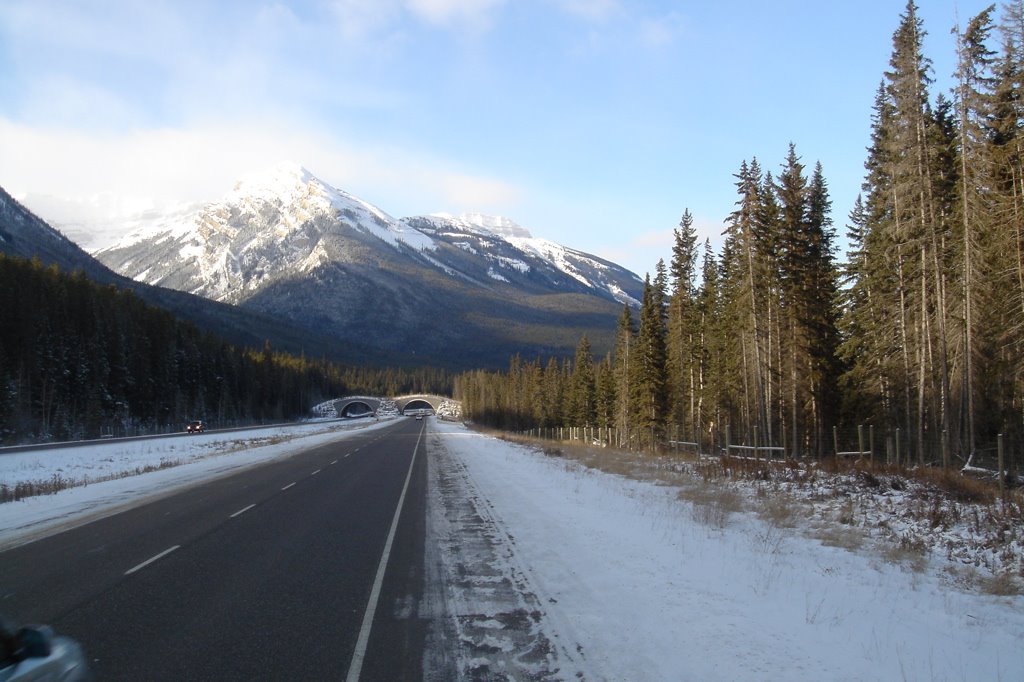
488, 621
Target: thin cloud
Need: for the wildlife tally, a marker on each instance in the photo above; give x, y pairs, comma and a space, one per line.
590, 10
114, 174
474, 14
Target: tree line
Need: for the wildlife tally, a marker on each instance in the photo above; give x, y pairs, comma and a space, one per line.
920, 332
81, 360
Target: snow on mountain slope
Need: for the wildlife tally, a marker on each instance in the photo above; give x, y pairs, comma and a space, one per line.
588, 270
286, 223
271, 224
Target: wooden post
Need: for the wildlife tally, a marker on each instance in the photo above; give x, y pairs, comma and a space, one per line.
835, 440
860, 441
899, 462
945, 450
1002, 477
871, 442
728, 439
757, 453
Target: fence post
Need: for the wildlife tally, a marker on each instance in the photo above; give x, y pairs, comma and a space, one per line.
1002, 478
945, 450
835, 440
860, 441
871, 442
899, 462
757, 453
728, 438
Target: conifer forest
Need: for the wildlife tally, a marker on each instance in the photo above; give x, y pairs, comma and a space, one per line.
919, 334
81, 360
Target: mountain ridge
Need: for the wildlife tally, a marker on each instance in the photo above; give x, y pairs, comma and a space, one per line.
277, 203
322, 266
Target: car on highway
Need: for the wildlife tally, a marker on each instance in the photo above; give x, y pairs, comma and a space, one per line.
36, 653
195, 427
419, 417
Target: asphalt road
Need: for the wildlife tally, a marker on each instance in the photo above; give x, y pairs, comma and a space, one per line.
264, 575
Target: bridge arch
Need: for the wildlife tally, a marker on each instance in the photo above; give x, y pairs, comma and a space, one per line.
357, 406
353, 406
419, 401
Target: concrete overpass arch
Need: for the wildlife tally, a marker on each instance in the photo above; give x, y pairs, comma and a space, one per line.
422, 401
356, 406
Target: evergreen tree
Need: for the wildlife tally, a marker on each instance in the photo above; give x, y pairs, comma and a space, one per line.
648, 383
625, 352
681, 344
582, 408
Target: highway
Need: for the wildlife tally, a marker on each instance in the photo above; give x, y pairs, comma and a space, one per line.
278, 572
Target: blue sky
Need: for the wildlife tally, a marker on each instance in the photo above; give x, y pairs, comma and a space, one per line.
594, 123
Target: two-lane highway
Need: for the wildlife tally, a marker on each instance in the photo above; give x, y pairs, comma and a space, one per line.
266, 574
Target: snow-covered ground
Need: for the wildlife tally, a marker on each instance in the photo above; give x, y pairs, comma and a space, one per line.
542, 568
103, 478
555, 570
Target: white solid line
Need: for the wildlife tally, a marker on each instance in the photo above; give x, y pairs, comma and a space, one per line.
147, 562
356, 666
242, 511
287, 486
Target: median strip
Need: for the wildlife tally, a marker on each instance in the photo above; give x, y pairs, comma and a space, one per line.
147, 562
242, 511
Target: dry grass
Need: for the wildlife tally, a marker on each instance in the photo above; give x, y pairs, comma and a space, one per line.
907, 512
957, 487
712, 505
57, 482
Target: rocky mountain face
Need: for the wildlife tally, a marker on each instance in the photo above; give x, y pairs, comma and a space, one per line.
25, 235
456, 291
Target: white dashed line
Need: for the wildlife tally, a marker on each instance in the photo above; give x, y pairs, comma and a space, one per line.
334, 462
242, 511
316, 472
147, 562
287, 486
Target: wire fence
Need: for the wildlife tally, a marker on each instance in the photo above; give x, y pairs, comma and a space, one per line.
860, 443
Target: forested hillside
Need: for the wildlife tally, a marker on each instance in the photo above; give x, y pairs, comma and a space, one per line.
920, 334
78, 360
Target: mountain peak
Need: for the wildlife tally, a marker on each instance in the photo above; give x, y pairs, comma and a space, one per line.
497, 225
284, 179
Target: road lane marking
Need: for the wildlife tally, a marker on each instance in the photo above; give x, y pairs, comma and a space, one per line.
242, 511
287, 486
316, 472
147, 562
334, 462
356, 666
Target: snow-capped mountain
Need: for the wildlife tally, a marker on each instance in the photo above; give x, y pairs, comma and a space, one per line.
510, 247
281, 222
286, 243
25, 235
269, 226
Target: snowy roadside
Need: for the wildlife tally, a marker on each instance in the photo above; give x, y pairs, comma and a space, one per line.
111, 476
626, 579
